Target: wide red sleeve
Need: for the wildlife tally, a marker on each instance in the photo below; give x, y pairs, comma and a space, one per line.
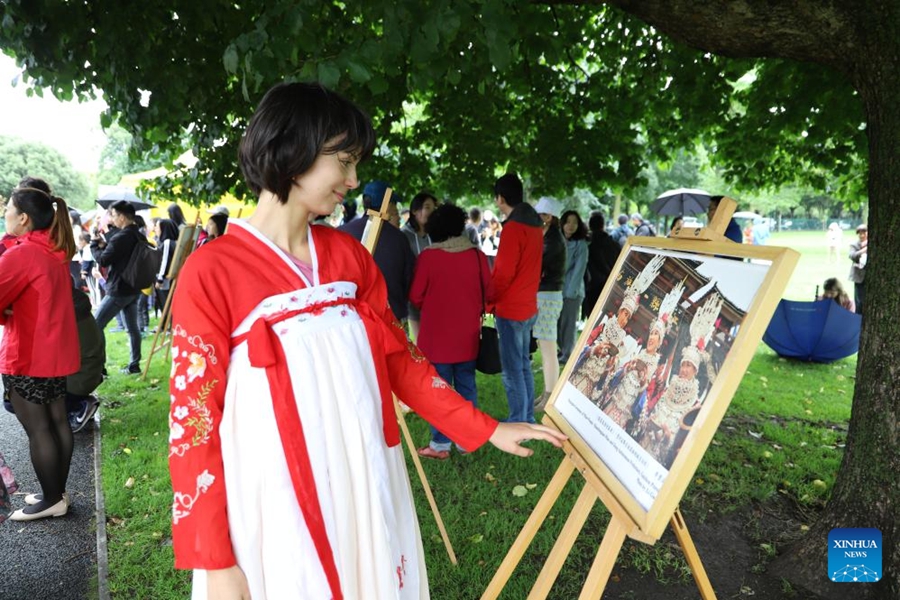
415, 381
200, 354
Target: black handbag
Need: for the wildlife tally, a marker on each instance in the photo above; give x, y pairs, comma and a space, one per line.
488, 361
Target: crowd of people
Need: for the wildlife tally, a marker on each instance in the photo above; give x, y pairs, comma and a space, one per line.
284, 449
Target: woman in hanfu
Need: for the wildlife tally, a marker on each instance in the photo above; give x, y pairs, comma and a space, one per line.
284, 448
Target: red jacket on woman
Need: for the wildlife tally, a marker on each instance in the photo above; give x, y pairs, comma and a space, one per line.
446, 288
40, 337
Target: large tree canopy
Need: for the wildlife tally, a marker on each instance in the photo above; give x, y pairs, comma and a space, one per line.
571, 96
570, 93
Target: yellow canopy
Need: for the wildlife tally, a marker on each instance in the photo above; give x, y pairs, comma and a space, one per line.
236, 208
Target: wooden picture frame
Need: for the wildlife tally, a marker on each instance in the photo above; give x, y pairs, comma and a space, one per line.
728, 295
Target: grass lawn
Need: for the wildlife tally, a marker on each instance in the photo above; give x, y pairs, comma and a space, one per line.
781, 441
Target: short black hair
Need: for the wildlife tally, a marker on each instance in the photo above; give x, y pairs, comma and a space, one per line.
293, 124
474, 214
581, 232
447, 221
596, 222
124, 208
623, 219
510, 187
417, 203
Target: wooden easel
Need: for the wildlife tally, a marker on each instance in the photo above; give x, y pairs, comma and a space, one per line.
162, 338
370, 240
622, 524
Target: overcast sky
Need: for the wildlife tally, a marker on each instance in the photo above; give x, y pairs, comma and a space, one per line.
72, 128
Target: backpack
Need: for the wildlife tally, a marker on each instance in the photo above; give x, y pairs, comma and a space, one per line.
143, 265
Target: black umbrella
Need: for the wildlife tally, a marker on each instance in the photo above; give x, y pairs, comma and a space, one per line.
683, 201
125, 195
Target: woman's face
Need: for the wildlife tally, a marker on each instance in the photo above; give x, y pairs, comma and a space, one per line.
653, 340
212, 230
546, 218
687, 370
423, 213
16, 222
570, 226
323, 187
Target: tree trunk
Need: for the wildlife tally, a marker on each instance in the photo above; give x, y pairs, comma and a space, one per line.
867, 490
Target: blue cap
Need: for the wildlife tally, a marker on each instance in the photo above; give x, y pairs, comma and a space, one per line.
375, 190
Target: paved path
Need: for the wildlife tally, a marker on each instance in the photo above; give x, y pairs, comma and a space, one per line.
50, 559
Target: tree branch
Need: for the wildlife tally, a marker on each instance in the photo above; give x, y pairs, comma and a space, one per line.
806, 30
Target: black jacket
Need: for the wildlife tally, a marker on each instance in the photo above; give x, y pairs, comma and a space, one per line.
395, 259
603, 251
553, 263
120, 244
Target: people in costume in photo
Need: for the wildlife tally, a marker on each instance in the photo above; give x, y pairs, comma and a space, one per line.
635, 375
683, 393
609, 338
288, 477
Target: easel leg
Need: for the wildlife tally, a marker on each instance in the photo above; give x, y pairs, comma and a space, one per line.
415, 457
540, 512
690, 553
564, 543
605, 560
162, 329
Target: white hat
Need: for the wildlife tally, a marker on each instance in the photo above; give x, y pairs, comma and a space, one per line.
219, 210
548, 206
488, 216
691, 354
630, 301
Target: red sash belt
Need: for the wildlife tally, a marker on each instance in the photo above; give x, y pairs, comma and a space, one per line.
265, 351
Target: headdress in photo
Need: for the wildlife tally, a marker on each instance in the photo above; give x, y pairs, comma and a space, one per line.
702, 327
667, 309
641, 283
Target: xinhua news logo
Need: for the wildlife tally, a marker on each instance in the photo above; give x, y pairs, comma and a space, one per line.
854, 555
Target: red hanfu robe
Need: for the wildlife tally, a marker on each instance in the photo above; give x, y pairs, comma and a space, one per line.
281, 395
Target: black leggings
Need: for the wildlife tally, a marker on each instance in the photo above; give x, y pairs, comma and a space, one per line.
50, 441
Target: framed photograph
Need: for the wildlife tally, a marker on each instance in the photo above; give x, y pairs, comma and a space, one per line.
659, 361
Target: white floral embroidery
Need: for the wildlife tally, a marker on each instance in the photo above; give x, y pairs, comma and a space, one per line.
180, 383
184, 503
197, 368
180, 412
437, 382
204, 480
175, 432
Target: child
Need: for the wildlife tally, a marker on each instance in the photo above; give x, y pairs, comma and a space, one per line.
284, 449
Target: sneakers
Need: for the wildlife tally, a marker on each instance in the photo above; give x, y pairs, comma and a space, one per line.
429, 452
84, 417
541, 402
130, 370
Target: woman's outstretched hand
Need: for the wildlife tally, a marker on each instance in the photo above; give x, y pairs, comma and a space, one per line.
230, 584
508, 436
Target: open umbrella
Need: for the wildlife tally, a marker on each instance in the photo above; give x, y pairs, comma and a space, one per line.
820, 331
746, 214
125, 195
683, 201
